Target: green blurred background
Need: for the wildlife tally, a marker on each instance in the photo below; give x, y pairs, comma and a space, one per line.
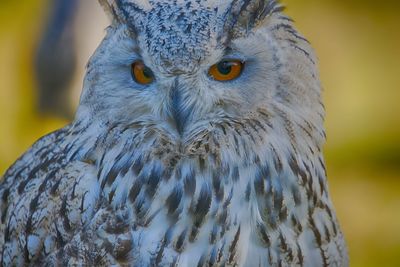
358, 45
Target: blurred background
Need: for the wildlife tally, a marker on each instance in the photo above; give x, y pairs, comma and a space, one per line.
358, 45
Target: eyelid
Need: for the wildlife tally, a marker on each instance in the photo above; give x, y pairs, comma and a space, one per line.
231, 60
233, 56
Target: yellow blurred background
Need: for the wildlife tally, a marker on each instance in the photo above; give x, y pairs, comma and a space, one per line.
358, 45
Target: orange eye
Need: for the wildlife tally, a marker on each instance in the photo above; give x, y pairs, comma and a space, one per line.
226, 70
142, 74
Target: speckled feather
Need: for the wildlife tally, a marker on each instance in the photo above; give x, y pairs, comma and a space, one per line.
187, 171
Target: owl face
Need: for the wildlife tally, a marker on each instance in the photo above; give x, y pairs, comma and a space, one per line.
183, 64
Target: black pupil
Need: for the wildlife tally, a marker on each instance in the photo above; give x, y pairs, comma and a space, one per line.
224, 67
147, 72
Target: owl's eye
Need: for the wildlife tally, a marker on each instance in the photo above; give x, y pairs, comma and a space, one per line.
142, 74
226, 70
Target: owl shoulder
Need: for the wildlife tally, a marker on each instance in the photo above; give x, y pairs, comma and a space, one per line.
33, 158
45, 197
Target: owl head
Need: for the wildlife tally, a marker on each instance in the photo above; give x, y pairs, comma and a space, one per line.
183, 65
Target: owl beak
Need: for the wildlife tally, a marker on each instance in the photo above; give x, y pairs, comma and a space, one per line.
180, 113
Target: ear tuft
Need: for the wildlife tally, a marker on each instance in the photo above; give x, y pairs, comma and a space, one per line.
109, 7
248, 14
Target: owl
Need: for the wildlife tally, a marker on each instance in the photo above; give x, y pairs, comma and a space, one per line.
197, 142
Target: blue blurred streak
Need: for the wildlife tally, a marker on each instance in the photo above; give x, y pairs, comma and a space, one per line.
55, 59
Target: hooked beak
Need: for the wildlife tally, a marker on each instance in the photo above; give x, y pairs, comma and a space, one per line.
181, 111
